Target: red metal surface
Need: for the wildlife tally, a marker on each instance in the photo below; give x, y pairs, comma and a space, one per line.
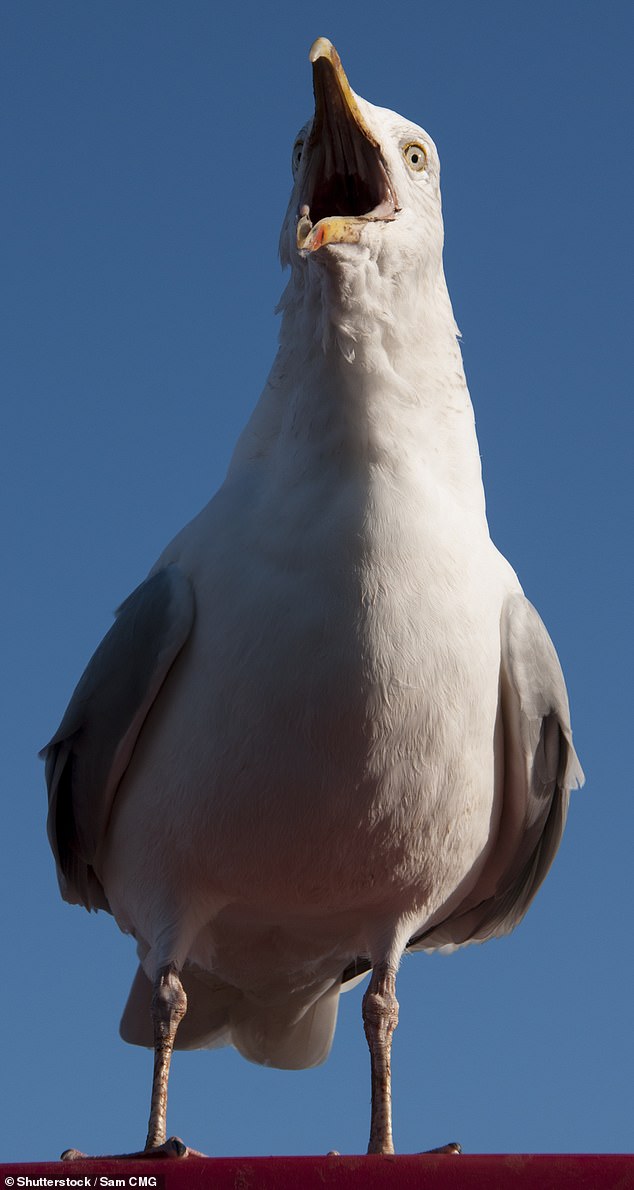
559, 1171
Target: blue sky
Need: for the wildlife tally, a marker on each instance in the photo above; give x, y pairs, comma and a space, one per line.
146, 151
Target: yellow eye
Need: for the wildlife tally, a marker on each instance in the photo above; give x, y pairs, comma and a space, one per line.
415, 156
298, 149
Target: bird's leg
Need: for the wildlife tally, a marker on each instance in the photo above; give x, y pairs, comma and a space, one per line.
380, 1018
169, 1005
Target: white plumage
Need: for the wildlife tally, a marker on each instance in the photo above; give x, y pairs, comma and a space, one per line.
329, 724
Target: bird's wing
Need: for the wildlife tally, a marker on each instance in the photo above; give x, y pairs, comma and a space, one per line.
540, 767
89, 753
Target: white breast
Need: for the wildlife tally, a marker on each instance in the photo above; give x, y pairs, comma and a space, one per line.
337, 752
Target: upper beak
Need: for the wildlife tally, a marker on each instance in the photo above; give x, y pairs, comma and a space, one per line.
345, 183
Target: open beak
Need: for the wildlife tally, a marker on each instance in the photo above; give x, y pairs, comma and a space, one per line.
345, 183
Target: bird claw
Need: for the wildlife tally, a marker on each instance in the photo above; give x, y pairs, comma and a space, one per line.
174, 1149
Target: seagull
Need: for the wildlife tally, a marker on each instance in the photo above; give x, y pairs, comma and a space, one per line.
329, 727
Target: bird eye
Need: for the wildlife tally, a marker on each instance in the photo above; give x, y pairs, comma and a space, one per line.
415, 156
298, 149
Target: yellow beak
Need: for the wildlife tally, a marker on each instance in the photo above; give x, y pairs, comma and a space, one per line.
344, 183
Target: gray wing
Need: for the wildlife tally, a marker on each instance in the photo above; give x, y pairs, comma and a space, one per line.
90, 751
540, 767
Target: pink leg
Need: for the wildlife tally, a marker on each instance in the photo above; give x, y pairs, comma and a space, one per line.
380, 1018
169, 1005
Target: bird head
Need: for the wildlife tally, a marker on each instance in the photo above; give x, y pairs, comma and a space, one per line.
366, 182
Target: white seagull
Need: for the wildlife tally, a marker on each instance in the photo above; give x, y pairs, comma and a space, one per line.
328, 727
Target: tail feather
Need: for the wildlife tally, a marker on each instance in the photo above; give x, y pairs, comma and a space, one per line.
268, 1037
218, 1014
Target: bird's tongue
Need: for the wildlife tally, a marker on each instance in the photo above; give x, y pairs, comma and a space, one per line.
345, 182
